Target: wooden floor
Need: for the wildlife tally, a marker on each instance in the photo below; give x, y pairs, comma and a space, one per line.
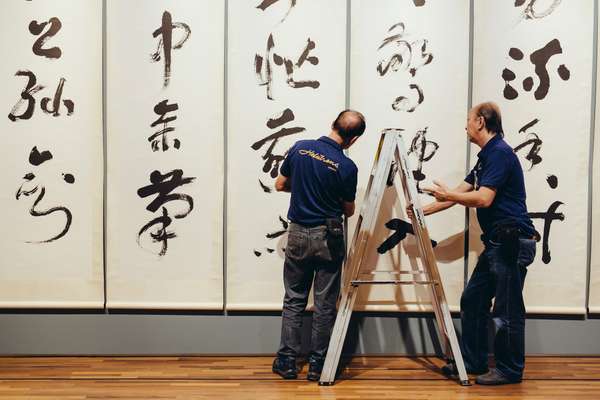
251, 378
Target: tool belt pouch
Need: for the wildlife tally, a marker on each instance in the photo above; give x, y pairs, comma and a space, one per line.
335, 238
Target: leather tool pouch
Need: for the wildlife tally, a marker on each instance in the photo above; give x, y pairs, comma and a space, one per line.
335, 238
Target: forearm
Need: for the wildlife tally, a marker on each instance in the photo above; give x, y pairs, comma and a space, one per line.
468, 199
437, 206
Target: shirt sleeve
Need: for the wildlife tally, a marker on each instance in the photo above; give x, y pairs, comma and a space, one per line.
349, 185
286, 169
470, 178
496, 171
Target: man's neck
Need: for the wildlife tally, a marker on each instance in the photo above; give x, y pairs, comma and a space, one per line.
486, 137
333, 135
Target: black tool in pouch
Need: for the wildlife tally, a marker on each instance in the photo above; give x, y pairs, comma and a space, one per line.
335, 238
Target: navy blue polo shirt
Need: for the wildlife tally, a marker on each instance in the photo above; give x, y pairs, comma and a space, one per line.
322, 177
499, 168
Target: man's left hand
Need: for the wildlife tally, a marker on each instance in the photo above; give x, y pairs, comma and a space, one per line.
439, 190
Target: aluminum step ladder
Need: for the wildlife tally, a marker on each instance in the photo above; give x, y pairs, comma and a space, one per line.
391, 159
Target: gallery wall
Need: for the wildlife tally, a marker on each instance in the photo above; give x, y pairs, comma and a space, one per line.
195, 103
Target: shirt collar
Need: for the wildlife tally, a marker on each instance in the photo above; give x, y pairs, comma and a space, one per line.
489, 145
330, 142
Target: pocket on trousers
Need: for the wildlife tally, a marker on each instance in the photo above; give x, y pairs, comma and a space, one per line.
296, 245
526, 252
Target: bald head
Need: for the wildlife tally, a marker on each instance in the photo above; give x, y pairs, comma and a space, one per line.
491, 116
349, 124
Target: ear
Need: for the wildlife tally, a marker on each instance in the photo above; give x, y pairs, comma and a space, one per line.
351, 142
480, 123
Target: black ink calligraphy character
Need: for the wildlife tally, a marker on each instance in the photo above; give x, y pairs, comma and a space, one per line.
30, 187
265, 78
161, 235
403, 55
402, 103
539, 59
424, 150
548, 217
54, 110
163, 188
264, 69
534, 141
37, 28
26, 95
406, 58
268, 3
165, 43
530, 11
272, 161
160, 137
274, 235
280, 232
290, 67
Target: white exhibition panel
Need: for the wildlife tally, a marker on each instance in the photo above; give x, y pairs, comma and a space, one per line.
51, 164
165, 70
286, 82
409, 71
594, 297
535, 62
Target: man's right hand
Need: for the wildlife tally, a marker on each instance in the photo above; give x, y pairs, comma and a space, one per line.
426, 210
409, 211
348, 208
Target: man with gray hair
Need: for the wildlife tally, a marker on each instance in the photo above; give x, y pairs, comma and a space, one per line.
496, 187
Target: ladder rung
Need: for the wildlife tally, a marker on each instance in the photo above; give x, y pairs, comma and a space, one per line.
406, 272
391, 282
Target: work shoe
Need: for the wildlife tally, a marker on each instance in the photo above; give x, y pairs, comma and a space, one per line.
451, 370
495, 377
314, 370
285, 367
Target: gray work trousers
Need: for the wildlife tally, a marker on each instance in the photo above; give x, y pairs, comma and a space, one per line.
312, 256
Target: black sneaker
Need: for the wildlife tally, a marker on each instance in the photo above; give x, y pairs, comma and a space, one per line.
285, 367
314, 370
495, 377
451, 370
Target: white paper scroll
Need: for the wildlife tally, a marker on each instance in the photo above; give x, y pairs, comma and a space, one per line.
546, 104
409, 71
165, 68
310, 37
594, 297
51, 156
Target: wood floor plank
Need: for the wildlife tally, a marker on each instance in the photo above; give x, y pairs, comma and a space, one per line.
251, 378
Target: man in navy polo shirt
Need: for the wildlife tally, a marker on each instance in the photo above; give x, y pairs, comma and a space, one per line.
322, 182
496, 188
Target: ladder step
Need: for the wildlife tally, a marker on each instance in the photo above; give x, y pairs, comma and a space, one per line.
405, 272
391, 282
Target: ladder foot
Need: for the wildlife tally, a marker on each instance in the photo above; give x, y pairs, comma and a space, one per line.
465, 383
325, 383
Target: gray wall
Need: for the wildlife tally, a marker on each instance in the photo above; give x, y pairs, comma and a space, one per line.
144, 334
37, 332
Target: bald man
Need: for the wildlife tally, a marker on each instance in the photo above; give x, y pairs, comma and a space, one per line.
322, 182
496, 188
